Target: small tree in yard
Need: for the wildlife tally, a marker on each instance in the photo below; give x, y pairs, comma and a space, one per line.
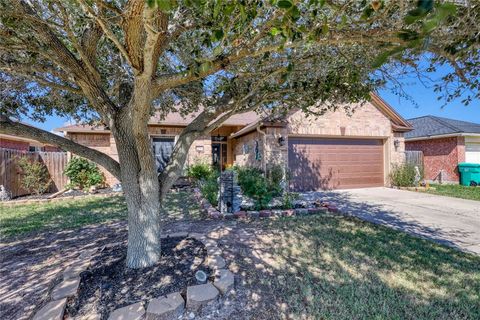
116, 62
34, 175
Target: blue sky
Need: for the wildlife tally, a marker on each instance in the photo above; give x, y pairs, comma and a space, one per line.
425, 98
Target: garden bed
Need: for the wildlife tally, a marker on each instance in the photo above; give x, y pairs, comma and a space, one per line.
109, 285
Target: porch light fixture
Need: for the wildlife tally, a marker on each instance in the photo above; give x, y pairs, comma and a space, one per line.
281, 141
396, 144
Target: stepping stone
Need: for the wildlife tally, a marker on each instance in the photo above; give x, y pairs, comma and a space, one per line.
224, 280
216, 262
167, 308
132, 312
178, 234
197, 236
74, 270
52, 311
201, 295
66, 288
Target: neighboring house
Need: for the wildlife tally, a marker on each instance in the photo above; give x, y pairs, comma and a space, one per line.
444, 143
332, 151
24, 144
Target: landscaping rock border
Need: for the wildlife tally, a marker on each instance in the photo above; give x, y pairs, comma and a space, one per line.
211, 212
168, 307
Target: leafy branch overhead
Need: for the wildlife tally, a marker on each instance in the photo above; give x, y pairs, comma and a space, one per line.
197, 49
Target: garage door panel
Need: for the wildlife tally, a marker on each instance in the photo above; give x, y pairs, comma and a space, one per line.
317, 163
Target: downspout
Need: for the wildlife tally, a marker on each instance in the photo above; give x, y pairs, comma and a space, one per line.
264, 143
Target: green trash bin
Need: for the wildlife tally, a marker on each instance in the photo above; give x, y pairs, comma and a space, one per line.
469, 172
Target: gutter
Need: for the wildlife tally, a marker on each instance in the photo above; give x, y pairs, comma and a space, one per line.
449, 135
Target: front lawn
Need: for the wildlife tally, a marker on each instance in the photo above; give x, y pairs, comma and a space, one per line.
456, 191
330, 267
74, 213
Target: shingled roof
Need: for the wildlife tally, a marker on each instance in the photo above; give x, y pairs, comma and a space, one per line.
430, 126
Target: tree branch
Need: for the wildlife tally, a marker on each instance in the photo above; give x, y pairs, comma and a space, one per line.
18, 129
108, 32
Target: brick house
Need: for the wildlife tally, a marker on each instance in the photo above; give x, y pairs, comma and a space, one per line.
444, 143
24, 144
333, 151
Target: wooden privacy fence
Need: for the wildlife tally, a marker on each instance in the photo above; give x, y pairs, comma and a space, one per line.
414, 157
10, 174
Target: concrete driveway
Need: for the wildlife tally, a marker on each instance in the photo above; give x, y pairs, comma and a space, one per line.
451, 221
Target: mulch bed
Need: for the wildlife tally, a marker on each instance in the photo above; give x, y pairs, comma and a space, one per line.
108, 285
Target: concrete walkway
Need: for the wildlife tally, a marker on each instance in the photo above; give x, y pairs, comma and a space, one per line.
450, 221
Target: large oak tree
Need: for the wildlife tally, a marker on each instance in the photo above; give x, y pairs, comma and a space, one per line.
118, 61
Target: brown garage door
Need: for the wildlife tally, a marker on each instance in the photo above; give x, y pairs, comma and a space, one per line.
317, 163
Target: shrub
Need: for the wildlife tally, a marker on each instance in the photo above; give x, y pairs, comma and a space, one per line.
83, 174
256, 186
275, 175
35, 176
404, 175
209, 189
288, 199
200, 171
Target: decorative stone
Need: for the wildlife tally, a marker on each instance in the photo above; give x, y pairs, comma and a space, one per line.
178, 234
166, 308
275, 203
197, 236
213, 250
66, 288
5, 195
201, 295
288, 213
322, 210
52, 311
265, 213
300, 204
224, 280
333, 208
216, 262
253, 214
277, 213
132, 312
74, 270
240, 215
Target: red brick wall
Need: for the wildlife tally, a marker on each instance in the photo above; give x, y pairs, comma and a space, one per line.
440, 154
11, 144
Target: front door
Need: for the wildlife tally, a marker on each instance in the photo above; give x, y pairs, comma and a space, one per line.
162, 150
219, 152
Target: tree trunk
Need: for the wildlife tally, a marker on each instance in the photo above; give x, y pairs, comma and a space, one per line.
144, 232
141, 188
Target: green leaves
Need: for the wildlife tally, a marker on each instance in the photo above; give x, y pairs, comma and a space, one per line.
284, 4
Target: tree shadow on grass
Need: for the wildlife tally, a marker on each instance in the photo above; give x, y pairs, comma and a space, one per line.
343, 268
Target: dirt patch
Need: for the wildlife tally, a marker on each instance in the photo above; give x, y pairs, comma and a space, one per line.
109, 285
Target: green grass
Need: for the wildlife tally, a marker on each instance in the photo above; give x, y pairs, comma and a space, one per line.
67, 214
330, 267
456, 191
